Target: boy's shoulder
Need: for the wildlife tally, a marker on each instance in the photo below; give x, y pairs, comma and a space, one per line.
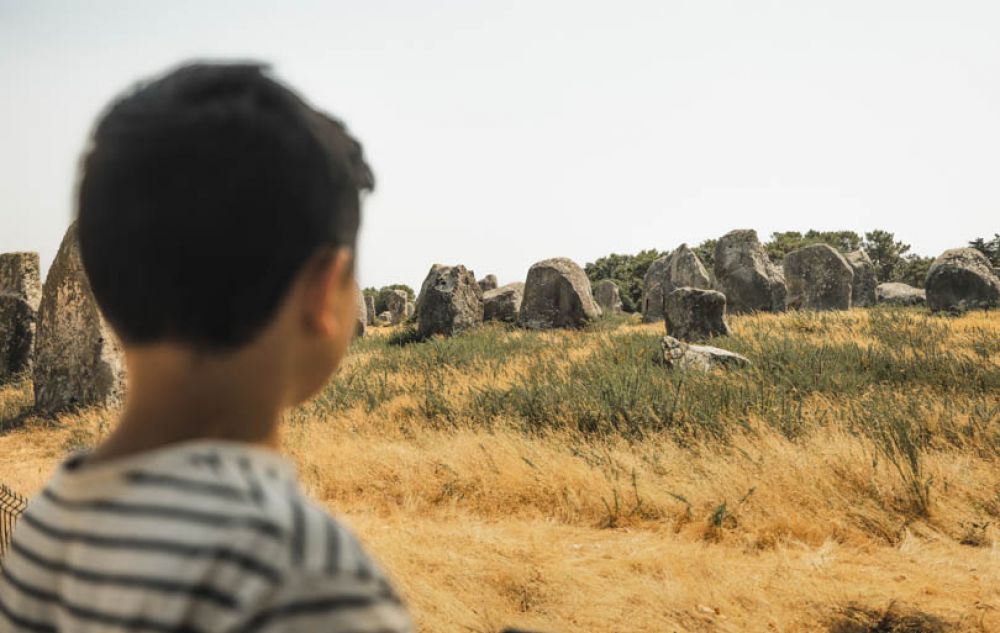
243, 501
213, 533
257, 492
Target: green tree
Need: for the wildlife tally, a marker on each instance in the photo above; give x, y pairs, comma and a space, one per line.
990, 248
706, 253
625, 270
886, 253
784, 242
913, 270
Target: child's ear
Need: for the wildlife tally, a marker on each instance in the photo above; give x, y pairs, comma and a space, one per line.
329, 284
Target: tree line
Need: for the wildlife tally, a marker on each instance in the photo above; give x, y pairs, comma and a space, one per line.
892, 258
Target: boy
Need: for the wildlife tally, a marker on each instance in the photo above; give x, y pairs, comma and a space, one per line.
217, 221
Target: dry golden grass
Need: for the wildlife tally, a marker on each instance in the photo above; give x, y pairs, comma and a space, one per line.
486, 525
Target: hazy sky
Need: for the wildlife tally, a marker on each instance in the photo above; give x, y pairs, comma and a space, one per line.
502, 133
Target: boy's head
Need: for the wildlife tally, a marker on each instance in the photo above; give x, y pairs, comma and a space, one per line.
215, 205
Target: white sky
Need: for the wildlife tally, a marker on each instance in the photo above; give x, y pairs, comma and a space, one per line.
502, 133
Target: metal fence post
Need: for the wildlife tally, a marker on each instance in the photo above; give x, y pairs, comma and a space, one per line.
11, 507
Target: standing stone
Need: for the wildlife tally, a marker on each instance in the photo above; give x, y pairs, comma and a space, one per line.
385, 317
818, 278
681, 268
504, 303
746, 276
557, 294
962, 279
450, 301
370, 309
411, 309
395, 304
607, 295
687, 271
17, 336
865, 281
78, 360
489, 282
362, 314
655, 285
900, 294
692, 314
20, 294
19, 277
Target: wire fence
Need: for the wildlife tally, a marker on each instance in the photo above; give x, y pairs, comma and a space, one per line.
11, 507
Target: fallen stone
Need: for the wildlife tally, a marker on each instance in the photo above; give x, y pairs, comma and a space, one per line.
895, 293
687, 357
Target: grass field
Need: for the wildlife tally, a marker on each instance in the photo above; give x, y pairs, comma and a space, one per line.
849, 481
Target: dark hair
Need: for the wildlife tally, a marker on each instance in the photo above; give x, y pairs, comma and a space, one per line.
203, 194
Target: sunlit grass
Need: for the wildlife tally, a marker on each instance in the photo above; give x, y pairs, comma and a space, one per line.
565, 481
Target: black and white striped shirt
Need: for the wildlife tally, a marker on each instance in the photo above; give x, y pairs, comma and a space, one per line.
201, 537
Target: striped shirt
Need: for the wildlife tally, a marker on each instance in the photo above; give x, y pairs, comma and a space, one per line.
200, 537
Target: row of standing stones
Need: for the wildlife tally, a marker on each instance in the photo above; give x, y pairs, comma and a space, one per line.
57, 333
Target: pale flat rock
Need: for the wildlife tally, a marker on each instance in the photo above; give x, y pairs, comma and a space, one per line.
686, 357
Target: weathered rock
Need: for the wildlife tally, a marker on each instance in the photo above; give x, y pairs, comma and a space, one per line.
19, 277
503, 303
411, 309
557, 294
607, 295
78, 360
450, 301
746, 276
865, 280
395, 304
962, 279
693, 314
20, 294
655, 285
894, 293
385, 317
370, 309
489, 282
818, 278
17, 335
362, 315
687, 271
680, 269
686, 357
